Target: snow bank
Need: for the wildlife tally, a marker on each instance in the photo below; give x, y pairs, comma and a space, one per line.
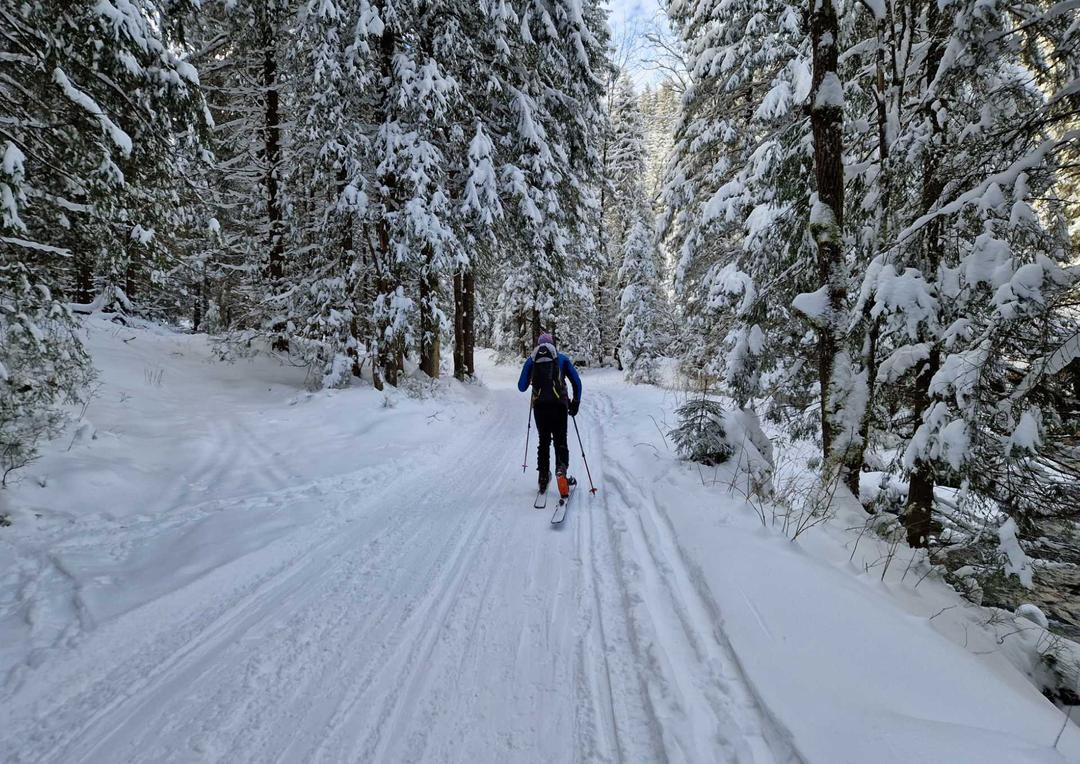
857, 660
154, 494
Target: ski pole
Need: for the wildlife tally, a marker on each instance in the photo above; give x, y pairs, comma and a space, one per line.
528, 432
592, 488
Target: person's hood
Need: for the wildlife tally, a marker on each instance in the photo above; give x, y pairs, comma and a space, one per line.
549, 346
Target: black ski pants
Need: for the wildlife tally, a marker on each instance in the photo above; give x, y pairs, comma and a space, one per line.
551, 424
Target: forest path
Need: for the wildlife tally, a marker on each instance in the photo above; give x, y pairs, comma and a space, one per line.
426, 613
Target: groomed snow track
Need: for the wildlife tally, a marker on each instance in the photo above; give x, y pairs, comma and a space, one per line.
430, 615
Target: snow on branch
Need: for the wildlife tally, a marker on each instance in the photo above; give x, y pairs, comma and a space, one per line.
1006, 177
1050, 365
35, 245
118, 136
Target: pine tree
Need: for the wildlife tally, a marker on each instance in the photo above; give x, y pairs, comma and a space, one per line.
625, 203
240, 49
550, 164
945, 203
100, 110
735, 203
638, 349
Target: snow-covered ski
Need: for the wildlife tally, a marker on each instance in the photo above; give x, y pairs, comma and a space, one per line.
560, 509
541, 500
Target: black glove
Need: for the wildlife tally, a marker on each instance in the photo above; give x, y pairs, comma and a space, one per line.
573, 407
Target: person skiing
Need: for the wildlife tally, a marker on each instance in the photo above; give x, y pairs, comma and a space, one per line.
546, 371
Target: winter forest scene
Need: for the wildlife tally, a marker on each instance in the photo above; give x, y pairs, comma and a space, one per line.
488, 381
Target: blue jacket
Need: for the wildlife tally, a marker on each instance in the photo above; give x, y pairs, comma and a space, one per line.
566, 366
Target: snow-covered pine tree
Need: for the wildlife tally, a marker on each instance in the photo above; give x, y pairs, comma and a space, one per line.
959, 275
332, 75
241, 50
639, 304
551, 163
625, 202
660, 112
824, 306
736, 201
971, 288
482, 212
410, 210
98, 106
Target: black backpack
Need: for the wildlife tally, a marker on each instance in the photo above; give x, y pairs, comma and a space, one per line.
547, 380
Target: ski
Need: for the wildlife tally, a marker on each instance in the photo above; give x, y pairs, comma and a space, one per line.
541, 500
560, 509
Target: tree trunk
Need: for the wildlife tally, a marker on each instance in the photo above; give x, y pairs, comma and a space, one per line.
429, 329
826, 121
459, 327
131, 281
84, 279
389, 355
920, 499
197, 308
272, 148
468, 288
605, 266
857, 454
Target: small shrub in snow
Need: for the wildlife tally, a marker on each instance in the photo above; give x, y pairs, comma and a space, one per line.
338, 372
701, 436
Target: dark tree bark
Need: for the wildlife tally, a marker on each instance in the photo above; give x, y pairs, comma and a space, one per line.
459, 327
857, 454
429, 330
390, 358
272, 149
605, 266
197, 307
131, 281
920, 499
468, 288
826, 120
84, 279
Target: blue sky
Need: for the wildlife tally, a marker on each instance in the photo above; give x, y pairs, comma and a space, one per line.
633, 14
623, 11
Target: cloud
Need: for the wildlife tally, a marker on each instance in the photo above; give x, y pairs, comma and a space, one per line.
624, 12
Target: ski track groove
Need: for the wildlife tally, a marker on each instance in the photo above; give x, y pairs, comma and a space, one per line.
395, 630
433, 615
722, 681
213, 464
208, 622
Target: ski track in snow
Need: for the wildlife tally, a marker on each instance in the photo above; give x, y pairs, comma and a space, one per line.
430, 615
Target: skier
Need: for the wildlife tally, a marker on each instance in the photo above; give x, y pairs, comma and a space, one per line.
546, 371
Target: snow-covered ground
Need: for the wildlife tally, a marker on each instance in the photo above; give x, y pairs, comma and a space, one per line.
219, 566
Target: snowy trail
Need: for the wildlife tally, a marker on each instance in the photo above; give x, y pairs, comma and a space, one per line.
237, 570
430, 614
